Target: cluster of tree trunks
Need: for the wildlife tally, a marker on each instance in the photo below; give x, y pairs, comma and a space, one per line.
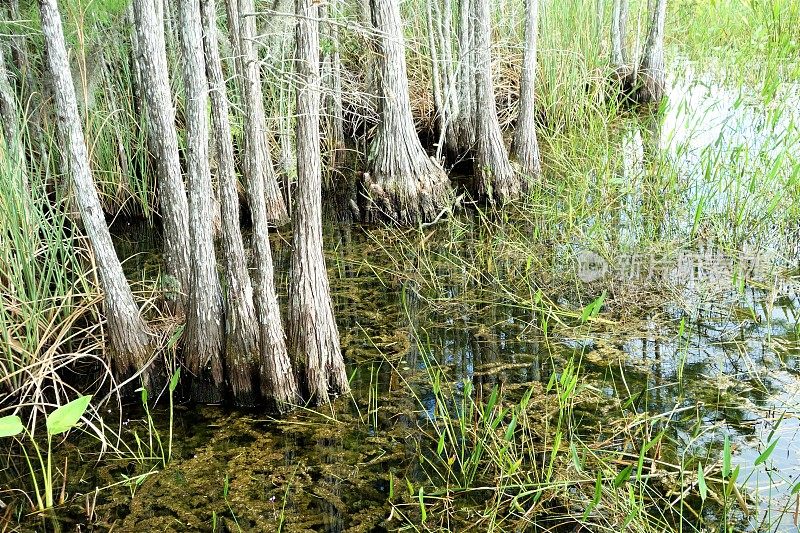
234, 339
236, 343
643, 81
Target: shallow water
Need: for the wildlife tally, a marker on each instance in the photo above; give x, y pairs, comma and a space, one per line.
738, 367
735, 371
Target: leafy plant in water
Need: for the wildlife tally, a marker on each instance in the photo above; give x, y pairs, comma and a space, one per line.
58, 422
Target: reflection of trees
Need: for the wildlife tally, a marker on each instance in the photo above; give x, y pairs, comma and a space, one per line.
643, 168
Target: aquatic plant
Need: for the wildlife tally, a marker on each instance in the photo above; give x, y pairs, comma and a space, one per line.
59, 421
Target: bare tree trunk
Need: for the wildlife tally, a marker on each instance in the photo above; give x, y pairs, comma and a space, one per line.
258, 163
8, 105
278, 382
163, 141
313, 335
370, 73
287, 165
619, 23
235, 38
204, 329
624, 74
497, 180
652, 76
441, 41
460, 136
525, 147
9, 113
19, 53
136, 71
15, 148
334, 114
30, 98
436, 75
405, 185
241, 321
128, 335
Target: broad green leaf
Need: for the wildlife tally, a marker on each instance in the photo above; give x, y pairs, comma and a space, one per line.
10, 426
176, 377
726, 458
701, 482
67, 416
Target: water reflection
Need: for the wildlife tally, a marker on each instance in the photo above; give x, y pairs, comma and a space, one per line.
734, 370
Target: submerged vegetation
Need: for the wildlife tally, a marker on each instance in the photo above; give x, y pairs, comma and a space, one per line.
274, 266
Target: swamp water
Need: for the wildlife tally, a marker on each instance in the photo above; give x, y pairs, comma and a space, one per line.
666, 328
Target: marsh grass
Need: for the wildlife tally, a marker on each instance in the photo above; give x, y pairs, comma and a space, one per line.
533, 458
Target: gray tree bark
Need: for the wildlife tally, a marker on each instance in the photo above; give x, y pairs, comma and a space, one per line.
437, 84
461, 129
258, 162
624, 73
203, 337
30, 99
525, 146
497, 180
15, 148
619, 23
278, 382
9, 113
652, 75
163, 140
405, 185
128, 336
241, 322
334, 113
440, 42
313, 334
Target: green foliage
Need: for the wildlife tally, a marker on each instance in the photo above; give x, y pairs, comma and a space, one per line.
67, 416
11, 426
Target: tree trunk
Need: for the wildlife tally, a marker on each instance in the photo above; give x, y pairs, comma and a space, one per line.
313, 335
163, 140
525, 147
619, 23
623, 75
278, 382
497, 180
241, 321
334, 114
436, 75
9, 113
460, 136
258, 162
30, 97
405, 185
442, 27
15, 148
204, 329
652, 76
128, 335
